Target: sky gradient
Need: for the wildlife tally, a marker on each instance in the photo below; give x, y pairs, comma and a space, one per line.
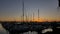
11, 10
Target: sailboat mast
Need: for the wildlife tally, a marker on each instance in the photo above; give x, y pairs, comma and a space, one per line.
26, 18
38, 14
23, 9
58, 3
33, 16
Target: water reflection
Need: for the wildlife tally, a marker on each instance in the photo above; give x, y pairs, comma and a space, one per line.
30, 32
47, 30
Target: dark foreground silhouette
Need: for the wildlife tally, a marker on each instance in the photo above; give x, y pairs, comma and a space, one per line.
21, 27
